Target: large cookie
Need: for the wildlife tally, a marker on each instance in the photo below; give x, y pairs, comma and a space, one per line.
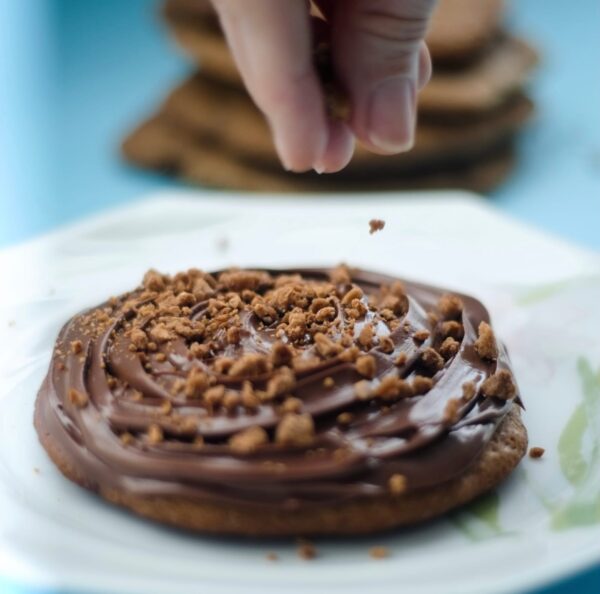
161, 145
461, 29
485, 84
293, 402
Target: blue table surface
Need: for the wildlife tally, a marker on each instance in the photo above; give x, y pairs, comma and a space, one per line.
76, 74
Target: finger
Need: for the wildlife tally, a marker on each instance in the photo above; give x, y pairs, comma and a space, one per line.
376, 51
271, 43
339, 149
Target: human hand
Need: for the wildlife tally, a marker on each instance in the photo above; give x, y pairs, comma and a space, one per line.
379, 58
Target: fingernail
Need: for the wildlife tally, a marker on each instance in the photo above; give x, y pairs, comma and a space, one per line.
319, 168
392, 112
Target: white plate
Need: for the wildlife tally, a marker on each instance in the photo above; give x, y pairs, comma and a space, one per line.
543, 294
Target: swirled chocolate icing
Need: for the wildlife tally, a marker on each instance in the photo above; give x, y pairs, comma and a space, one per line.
283, 388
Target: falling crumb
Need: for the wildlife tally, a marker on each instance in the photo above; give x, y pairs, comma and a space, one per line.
36, 470
306, 550
536, 452
272, 557
376, 225
379, 552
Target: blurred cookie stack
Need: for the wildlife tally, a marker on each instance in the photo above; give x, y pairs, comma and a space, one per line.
208, 131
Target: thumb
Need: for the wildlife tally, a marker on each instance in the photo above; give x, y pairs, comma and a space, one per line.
380, 58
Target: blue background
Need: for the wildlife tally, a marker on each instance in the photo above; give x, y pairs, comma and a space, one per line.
76, 74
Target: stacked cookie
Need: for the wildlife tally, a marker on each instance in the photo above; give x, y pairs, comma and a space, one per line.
209, 131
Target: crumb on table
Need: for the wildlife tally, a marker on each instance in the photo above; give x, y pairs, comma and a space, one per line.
536, 452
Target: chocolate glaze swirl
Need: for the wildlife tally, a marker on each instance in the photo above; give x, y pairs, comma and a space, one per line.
411, 436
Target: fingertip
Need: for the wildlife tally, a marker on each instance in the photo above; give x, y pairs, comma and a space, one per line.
299, 127
339, 149
298, 152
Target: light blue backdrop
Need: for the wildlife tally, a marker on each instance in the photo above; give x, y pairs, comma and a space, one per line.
75, 74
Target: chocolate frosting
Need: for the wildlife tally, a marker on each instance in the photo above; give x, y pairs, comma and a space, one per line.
125, 392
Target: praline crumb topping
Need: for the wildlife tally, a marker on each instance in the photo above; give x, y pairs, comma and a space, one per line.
312, 375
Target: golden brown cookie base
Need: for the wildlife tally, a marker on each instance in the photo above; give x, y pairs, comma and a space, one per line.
497, 461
